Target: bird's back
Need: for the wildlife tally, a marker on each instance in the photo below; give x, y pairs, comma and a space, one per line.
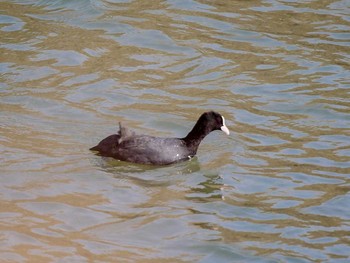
143, 149
151, 150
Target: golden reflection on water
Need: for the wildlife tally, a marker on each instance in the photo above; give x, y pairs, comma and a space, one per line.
276, 190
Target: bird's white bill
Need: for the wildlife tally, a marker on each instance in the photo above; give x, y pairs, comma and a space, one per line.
224, 127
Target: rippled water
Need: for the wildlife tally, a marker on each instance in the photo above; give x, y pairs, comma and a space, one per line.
276, 190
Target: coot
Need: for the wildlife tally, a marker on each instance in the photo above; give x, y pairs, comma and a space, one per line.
145, 149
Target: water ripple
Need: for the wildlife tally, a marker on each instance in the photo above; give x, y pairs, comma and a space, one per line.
277, 189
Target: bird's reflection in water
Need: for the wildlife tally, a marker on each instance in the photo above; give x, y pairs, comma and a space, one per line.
196, 184
149, 175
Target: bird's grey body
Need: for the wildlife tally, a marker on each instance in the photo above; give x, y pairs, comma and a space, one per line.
145, 149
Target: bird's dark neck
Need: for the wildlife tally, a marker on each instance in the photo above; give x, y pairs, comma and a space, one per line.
196, 135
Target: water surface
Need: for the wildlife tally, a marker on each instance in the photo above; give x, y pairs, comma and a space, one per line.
275, 190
